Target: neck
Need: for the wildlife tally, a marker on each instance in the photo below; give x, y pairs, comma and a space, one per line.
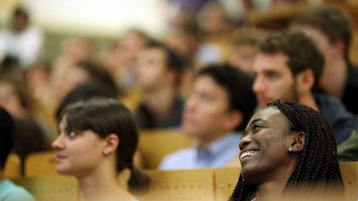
159, 101
274, 186
334, 78
97, 186
308, 99
102, 184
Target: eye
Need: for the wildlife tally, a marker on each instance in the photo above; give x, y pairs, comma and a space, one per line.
206, 97
72, 133
256, 127
271, 75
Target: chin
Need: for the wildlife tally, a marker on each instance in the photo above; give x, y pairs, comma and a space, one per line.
63, 170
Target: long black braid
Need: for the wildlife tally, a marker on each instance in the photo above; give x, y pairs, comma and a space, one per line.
317, 165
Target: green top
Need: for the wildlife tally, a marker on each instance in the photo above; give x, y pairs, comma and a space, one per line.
348, 150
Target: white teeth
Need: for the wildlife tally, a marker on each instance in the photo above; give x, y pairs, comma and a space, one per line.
247, 154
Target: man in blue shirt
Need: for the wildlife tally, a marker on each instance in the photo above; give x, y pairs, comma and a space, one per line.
220, 104
8, 190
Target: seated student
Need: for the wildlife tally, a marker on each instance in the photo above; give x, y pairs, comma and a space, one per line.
8, 190
158, 74
285, 148
220, 104
288, 66
88, 90
98, 137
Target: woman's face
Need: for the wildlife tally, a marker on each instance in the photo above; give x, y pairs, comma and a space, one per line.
264, 146
78, 152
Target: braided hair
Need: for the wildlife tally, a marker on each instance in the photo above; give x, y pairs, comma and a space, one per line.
317, 164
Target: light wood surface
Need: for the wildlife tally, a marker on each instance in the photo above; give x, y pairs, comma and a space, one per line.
155, 144
180, 185
40, 164
12, 166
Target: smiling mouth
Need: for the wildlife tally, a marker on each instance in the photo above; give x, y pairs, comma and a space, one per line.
248, 154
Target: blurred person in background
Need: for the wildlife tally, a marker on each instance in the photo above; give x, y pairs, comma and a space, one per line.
80, 73
31, 134
21, 43
158, 72
130, 44
8, 190
73, 50
288, 66
332, 30
244, 46
215, 29
218, 108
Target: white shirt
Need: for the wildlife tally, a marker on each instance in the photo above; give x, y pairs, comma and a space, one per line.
25, 45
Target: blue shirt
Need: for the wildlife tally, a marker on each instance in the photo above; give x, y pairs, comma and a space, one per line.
218, 154
11, 192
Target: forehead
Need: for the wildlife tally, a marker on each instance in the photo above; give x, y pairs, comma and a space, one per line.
271, 115
63, 122
276, 62
207, 83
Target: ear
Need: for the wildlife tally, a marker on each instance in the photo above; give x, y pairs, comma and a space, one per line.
305, 81
111, 143
233, 119
298, 143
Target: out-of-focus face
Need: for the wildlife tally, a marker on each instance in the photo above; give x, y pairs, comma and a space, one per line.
10, 100
264, 146
20, 22
273, 79
242, 58
78, 49
206, 109
72, 78
328, 50
151, 69
78, 153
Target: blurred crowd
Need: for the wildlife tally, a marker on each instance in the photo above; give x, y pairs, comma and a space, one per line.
152, 77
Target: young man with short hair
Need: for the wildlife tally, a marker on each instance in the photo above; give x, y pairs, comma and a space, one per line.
288, 66
221, 103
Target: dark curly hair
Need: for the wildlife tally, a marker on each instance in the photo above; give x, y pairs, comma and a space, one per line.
317, 164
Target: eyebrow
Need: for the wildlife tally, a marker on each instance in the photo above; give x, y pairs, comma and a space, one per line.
252, 122
255, 120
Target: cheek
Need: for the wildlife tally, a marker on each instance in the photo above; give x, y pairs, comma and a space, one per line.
86, 151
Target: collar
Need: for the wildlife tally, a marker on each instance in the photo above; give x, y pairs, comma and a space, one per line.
218, 146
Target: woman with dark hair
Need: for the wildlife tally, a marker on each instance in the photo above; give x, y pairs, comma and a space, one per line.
98, 137
288, 151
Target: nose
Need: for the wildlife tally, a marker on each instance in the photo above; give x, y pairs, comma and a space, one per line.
259, 87
58, 143
244, 142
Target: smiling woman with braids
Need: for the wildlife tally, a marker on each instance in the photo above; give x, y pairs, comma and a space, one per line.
288, 149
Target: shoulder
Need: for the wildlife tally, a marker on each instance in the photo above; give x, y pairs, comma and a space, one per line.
11, 192
177, 159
